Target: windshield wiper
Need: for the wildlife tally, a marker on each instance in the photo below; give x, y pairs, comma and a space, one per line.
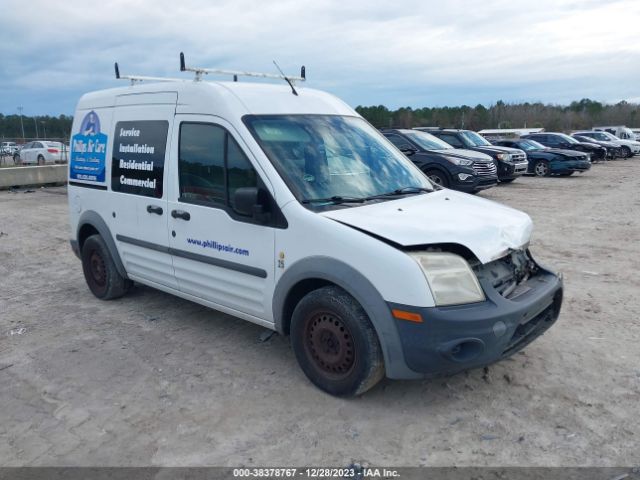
401, 191
336, 199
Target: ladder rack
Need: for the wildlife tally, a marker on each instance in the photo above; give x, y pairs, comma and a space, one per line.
206, 71
140, 78
199, 71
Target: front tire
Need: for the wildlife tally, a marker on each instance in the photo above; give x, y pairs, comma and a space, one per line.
542, 169
335, 343
100, 271
438, 177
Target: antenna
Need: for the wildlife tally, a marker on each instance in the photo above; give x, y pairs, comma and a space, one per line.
140, 78
200, 71
293, 89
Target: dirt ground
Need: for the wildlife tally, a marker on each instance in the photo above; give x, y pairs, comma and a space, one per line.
151, 379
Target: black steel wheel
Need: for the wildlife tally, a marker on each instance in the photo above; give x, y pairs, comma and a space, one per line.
542, 169
100, 272
335, 343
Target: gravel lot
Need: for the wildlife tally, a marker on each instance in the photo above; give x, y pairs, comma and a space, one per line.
154, 380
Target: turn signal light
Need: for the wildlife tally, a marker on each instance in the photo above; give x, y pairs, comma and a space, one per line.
408, 316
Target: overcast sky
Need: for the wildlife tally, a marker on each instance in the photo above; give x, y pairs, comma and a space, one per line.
404, 53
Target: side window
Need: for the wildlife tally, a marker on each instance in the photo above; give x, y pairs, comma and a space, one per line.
239, 170
201, 163
399, 142
36, 145
452, 140
553, 140
211, 165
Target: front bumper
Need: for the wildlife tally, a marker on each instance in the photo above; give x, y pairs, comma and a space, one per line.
456, 338
510, 170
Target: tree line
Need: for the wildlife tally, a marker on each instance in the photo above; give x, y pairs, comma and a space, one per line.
582, 114
578, 115
41, 126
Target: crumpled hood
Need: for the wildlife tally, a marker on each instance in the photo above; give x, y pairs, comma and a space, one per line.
566, 153
486, 228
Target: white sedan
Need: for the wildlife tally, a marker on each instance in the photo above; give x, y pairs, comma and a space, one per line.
41, 152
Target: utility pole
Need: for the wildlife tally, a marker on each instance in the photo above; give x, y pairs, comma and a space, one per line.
21, 124
44, 135
36, 124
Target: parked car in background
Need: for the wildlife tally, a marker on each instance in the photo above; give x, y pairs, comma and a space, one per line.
41, 152
510, 162
613, 149
463, 170
8, 148
636, 132
544, 161
565, 142
628, 147
619, 131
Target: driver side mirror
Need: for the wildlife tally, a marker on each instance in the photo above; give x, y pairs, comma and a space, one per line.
408, 150
252, 202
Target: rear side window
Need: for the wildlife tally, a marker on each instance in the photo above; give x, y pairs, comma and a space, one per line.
211, 165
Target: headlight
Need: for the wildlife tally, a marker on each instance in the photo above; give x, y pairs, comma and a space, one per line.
460, 161
451, 280
504, 156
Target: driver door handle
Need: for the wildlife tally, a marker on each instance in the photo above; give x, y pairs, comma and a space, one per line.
154, 209
181, 214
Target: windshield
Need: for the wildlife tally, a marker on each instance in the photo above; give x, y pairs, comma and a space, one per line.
474, 139
607, 136
529, 145
567, 138
333, 157
428, 141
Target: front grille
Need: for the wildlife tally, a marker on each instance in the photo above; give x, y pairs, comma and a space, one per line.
518, 157
485, 168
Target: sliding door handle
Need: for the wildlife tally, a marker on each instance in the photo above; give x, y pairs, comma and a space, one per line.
154, 209
181, 214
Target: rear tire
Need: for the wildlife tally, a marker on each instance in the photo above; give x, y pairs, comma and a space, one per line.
438, 177
100, 271
41, 160
542, 169
626, 152
335, 343
17, 160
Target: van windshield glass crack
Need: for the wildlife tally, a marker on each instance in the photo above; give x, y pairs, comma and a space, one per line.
331, 159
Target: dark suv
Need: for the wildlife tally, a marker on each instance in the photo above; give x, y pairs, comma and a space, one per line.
511, 162
565, 142
457, 169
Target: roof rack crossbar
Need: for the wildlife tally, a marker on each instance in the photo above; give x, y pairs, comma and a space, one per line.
141, 78
199, 71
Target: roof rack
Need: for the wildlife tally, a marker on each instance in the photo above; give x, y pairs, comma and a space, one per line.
140, 78
199, 71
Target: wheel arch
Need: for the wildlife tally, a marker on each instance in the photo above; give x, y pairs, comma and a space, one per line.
91, 223
311, 273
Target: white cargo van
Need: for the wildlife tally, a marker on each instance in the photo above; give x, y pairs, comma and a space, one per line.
619, 131
285, 208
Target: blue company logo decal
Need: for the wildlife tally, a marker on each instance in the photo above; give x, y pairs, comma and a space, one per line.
88, 151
